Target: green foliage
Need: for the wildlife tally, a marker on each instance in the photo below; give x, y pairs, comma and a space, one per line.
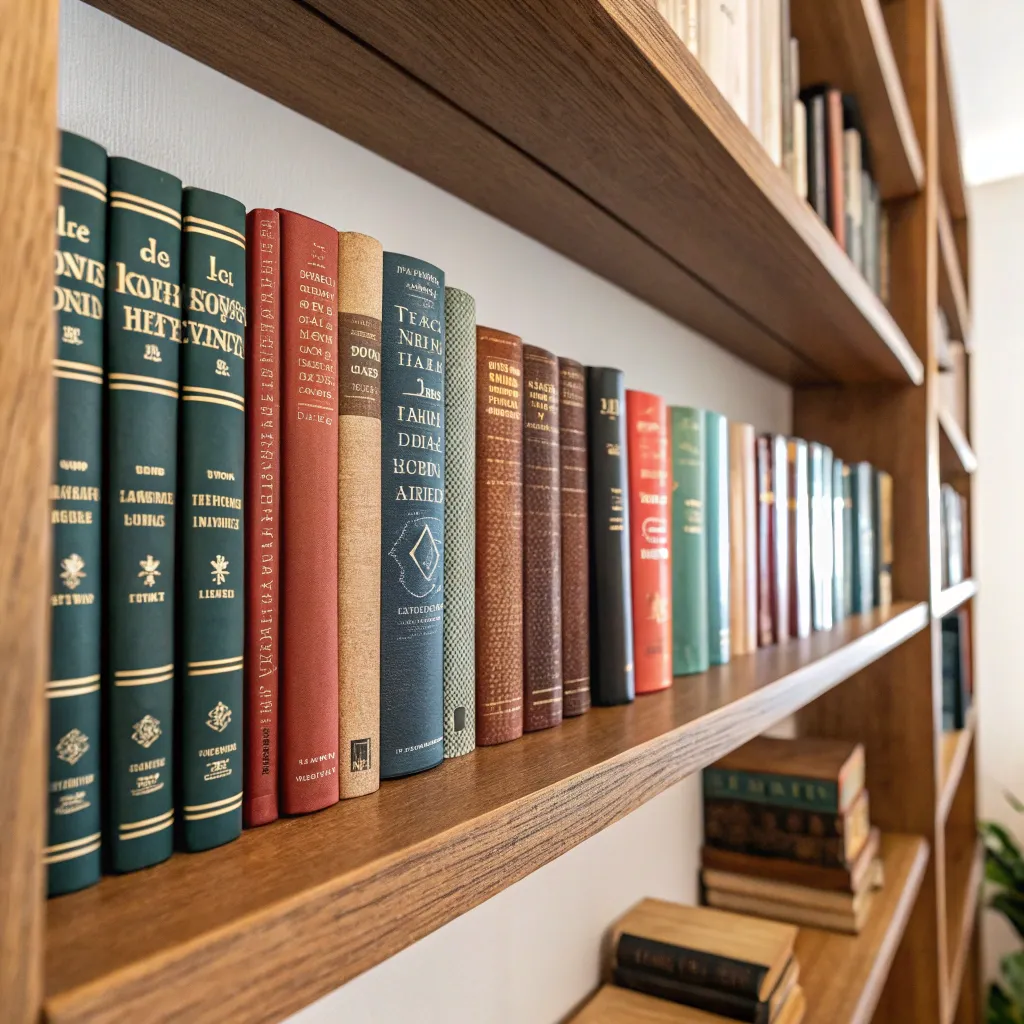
1004, 870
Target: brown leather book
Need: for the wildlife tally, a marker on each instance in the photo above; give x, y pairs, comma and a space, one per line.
542, 543
360, 280
575, 539
499, 536
613, 1005
742, 539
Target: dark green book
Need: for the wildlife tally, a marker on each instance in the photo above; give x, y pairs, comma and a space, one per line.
143, 341
839, 565
716, 493
211, 467
862, 477
72, 854
689, 545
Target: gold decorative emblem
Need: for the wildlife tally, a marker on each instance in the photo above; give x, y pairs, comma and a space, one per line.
72, 574
657, 608
219, 717
220, 570
424, 553
72, 746
146, 731
149, 570
222, 368
152, 353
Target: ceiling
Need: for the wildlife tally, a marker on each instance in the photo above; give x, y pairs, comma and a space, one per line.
986, 43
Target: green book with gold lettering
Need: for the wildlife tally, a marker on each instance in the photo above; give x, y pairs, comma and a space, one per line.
72, 854
143, 340
211, 463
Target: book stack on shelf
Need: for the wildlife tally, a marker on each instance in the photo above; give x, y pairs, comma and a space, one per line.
787, 833
957, 676
953, 534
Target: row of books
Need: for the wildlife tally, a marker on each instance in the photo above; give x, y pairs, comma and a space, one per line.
953, 526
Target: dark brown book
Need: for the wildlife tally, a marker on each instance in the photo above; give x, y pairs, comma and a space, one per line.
542, 543
499, 536
572, 404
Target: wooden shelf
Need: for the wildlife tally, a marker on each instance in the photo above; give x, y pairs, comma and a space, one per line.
961, 913
952, 290
290, 911
843, 975
954, 748
846, 43
952, 597
956, 456
588, 126
951, 171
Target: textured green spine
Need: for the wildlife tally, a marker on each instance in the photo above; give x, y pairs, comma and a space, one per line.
769, 788
72, 853
143, 339
211, 466
716, 477
689, 545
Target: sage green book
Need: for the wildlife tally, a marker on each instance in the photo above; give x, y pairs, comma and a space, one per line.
143, 341
716, 493
211, 467
72, 853
689, 544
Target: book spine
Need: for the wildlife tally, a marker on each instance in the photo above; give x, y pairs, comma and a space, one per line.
767, 611
459, 643
785, 626
849, 542
360, 269
710, 1000
74, 824
412, 518
743, 508
788, 89
309, 515
826, 543
863, 538
820, 484
817, 156
143, 319
651, 570
572, 416
716, 491
840, 609
799, 540
542, 544
883, 538
689, 545
611, 638
836, 185
769, 788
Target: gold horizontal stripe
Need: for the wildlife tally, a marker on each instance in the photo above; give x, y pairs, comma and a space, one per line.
84, 178
65, 375
190, 219
71, 854
146, 831
144, 681
215, 661
237, 806
237, 667
142, 201
76, 187
145, 821
159, 381
124, 673
582, 689
582, 679
549, 689
72, 693
143, 387
238, 406
192, 229
213, 391
503, 711
53, 683
213, 803
548, 700
145, 212
69, 364
74, 842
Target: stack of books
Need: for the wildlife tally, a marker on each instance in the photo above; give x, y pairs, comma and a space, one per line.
787, 833
667, 962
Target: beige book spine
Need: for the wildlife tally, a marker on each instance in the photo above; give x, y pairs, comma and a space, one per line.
742, 539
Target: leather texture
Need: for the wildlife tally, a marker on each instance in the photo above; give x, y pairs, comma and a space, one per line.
360, 270
716, 496
572, 407
742, 539
459, 654
309, 515
799, 539
650, 525
542, 543
499, 536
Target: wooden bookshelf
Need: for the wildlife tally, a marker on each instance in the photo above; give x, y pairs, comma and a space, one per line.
953, 597
956, 456
952, 291
963, 918
956, 745
951, 172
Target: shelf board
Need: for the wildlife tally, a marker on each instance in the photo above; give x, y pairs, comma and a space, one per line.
952, 291
290, 911
951, 172
952, 597
846, 43
954, 748
588, 126
961, 918
843, 975
956, 456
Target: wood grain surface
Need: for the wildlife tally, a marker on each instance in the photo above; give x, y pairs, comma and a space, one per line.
952, 290
258, 928
956, 456
955, 746
950, 166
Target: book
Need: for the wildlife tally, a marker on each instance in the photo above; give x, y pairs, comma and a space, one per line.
956, 670
849, 922
572, 416
690, 651
615, 1005
869, 228
74, 703
542, 543
884, 256
771, 78
863, 537
883, 538
499, 536
650, 485
840, 571
849, 562
360, 311
808, 773
611, 614
308, 699
798, 895
143, 341
817, 153
755, 71
723, 49
211, 609
800, 148
822, 570
459, 646
836, 175
742, 539
412, 516
853, 168
262, 514
789, 87
716, 533
799, 539
773, 540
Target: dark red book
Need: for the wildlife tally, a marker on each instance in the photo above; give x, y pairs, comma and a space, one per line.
772, 540
650, 483
262, 512
309, 515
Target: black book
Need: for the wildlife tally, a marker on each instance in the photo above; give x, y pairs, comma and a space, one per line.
955, 697
817, 151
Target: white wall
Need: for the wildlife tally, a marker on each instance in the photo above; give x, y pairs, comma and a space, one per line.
530, 953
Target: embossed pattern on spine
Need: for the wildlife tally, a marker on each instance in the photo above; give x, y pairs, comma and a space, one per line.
360, 270
460, 523
572, 407
542, 543
742, 538
499, 536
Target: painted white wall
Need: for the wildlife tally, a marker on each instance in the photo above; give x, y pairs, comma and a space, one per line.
530, 953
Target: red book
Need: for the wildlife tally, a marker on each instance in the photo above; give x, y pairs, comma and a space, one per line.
650, 482
262, 512
309, 514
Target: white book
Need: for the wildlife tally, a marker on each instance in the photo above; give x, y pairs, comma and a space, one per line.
722, 49
755, 102
739, 60
771, 78
800, 149
692, 33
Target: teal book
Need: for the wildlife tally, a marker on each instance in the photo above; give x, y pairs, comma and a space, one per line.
72, 853
862, 477
782, 791
689, 545
143, 314
211, 487
716, 492
849, 564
